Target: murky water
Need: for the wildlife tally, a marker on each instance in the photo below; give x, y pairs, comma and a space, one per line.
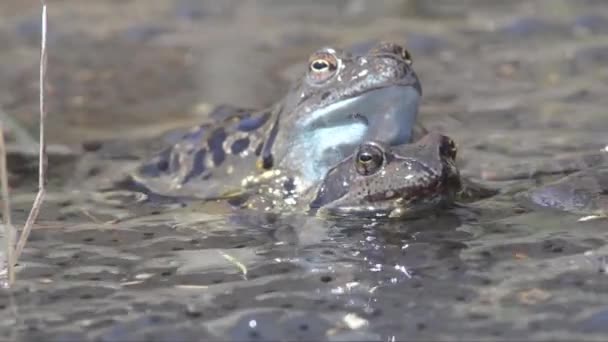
512, 82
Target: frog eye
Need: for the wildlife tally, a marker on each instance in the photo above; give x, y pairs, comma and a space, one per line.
448, 147
322, 66
369, 159
319, 65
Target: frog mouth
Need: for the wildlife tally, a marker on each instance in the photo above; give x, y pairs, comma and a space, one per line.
390, 114
355, 211
387, 210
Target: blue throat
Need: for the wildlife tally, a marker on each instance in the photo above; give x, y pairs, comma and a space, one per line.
320, 149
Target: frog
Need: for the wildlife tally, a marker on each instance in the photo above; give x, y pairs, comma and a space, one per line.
584, 192
340, 100
384, 181
377, 180
575, 183
405, 181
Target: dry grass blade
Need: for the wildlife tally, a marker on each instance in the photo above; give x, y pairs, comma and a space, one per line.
236, 263
9, 232
42, 161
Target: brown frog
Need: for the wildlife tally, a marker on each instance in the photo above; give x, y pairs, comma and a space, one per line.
379, 180
582, 189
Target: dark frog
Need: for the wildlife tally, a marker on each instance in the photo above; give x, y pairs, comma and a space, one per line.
584, 192
581, 189
379, 180
325, 115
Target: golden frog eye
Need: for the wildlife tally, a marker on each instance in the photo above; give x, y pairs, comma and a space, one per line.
369, 159
322, 66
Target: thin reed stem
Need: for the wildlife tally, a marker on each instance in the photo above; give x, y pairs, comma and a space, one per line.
42, 161
9, 230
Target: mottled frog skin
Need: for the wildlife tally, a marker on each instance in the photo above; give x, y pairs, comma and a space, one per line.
582, 189
322, 119
379, 180
584, 193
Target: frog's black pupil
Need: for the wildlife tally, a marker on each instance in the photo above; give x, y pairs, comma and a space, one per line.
365, 157
369, 160
320, 65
